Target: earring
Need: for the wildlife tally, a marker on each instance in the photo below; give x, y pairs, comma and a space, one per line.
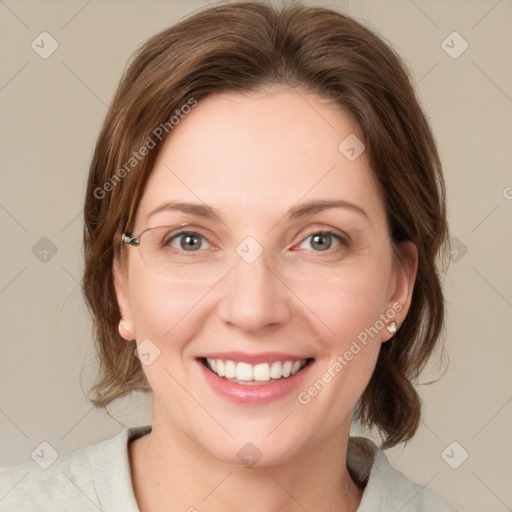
392, 327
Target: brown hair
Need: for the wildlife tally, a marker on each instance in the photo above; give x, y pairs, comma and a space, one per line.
243, 47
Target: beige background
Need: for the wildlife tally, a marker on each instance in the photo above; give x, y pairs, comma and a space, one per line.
51, 114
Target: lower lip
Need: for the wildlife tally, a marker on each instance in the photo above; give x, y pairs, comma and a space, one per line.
253, 394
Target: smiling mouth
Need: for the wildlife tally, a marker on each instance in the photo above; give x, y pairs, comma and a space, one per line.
254, 374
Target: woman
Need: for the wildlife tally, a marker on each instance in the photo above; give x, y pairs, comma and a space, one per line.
264, 211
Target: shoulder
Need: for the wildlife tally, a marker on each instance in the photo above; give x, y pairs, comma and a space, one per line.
82, 480
386, 488
33, 488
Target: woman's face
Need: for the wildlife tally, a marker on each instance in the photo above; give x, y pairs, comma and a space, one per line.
260, 282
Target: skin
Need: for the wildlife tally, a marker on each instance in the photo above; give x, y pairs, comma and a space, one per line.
252, 157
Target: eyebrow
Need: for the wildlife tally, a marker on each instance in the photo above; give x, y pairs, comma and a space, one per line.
302, 210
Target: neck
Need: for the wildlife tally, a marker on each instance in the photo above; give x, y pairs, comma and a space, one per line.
171, 472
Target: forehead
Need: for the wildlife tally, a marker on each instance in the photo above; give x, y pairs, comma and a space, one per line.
258, 154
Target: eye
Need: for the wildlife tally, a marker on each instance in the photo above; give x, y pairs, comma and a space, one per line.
323, 240
189, 241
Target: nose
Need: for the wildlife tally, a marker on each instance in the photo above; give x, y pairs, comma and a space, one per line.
254, 296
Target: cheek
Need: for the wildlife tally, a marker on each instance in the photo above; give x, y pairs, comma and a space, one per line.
347, 311
162, 310
350, 343
347, 305
167, 314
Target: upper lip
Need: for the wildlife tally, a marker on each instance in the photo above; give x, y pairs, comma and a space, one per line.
244, 357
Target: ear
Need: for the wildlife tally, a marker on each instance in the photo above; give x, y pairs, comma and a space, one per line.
126, 326
401, 287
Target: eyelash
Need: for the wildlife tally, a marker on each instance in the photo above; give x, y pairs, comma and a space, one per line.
343, 242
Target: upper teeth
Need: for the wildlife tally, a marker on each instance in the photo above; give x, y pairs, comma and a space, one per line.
261, 372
